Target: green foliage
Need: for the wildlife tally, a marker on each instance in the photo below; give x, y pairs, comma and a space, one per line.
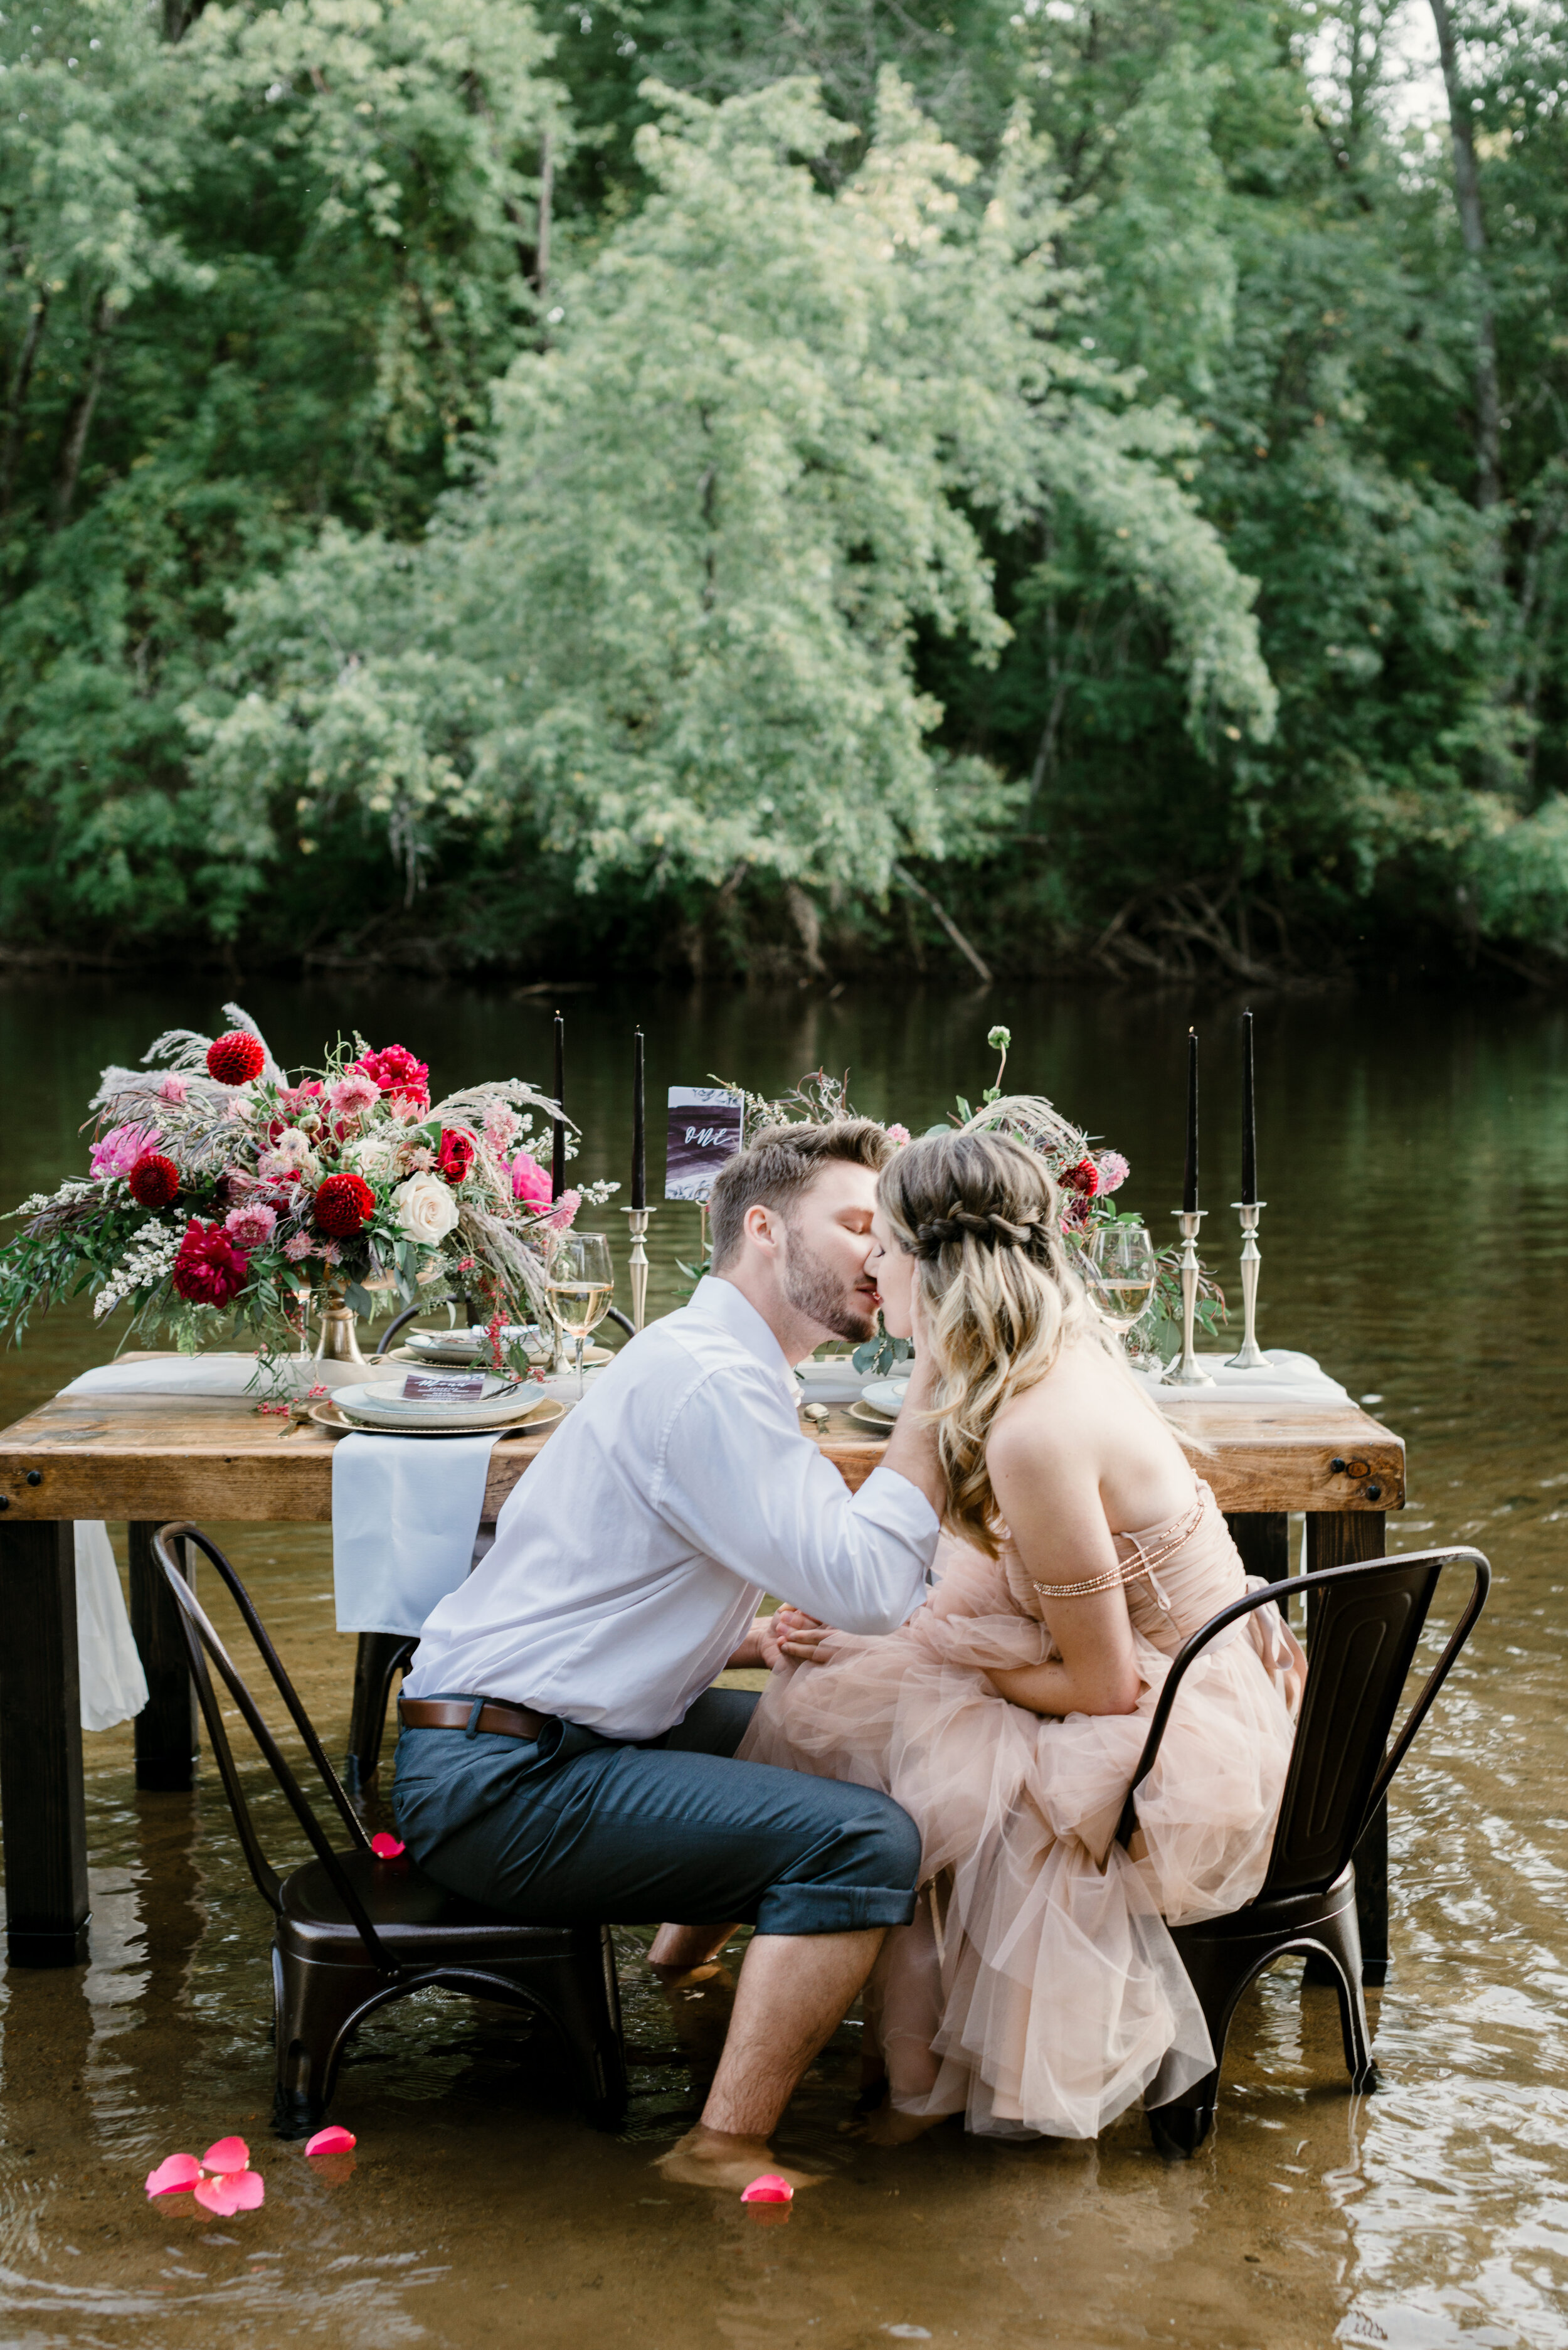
1035, 446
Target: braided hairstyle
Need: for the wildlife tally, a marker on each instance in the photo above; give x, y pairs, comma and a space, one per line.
980, 1213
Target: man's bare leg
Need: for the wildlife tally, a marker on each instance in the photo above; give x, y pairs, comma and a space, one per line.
794, 1990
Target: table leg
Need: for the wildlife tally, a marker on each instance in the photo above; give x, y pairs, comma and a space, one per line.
1263, 1539
377, 1659
166, 1726
42, 1811
1343, 1538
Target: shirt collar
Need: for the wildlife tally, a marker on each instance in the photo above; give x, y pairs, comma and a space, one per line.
721, 1301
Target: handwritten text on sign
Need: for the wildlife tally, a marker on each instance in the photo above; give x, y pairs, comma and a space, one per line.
704, 1131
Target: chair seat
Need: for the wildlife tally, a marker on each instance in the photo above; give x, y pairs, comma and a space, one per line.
419, 1920
1271, 1917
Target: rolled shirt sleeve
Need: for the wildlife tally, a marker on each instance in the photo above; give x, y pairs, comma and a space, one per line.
780, 1515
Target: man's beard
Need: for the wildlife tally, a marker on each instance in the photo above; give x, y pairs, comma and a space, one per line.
823, 1296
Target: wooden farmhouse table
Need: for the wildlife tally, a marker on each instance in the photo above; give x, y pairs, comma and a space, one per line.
150, 1458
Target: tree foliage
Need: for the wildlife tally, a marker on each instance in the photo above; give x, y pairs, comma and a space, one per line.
1041, 452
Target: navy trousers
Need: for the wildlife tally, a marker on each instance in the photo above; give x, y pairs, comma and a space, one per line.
573, 1828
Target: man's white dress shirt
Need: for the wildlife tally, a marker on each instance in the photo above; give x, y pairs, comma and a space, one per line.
630, 1557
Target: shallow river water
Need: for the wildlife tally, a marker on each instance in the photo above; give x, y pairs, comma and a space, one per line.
1413, 1156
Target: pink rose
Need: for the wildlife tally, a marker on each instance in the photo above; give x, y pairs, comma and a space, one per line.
250, 1227
530, 1181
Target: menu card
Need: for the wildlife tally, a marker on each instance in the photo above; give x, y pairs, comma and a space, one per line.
436, 1386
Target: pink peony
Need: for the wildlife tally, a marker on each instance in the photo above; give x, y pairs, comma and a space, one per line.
174, 1089
1114, 1171
395, 1072
209, 1269
352, 1096
896, 1133
530, 1181
120, 1148
297, 1247
250, 1227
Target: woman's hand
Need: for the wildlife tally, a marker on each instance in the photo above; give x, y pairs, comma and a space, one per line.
800, 1637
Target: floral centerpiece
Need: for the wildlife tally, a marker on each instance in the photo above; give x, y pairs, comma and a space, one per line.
1086, 1175
223, 1194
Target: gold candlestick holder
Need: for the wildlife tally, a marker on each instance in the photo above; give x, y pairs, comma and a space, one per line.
1187, 1371
1252, 1356
637, 1226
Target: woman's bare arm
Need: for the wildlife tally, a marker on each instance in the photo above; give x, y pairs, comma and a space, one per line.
1047, 1486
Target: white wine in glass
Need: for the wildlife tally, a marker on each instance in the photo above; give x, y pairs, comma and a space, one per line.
1124, 1270
581, 1279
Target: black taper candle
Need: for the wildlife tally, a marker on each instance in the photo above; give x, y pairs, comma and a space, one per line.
558, 1141
1190, 1178
638, 1128
1249, 1119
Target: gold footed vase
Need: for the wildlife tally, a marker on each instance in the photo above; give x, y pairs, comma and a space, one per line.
339, 1339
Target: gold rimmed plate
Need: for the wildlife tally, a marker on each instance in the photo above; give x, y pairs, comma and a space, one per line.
869, 1417
545, 1413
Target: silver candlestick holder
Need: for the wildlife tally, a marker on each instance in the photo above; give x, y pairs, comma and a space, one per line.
1187, 1371
637, 1226
1252, 1356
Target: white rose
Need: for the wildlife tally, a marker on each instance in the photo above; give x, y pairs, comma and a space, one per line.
426, 1208
372, 1157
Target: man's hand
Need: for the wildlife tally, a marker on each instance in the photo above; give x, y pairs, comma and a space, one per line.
800, 1637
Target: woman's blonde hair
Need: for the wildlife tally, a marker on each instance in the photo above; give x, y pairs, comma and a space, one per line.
980, 1213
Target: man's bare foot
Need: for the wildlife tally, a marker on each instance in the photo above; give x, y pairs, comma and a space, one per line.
688, 1978
707, 2157
887, 2126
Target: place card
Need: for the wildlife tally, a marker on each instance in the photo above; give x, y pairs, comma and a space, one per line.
704, 1131
454, 1387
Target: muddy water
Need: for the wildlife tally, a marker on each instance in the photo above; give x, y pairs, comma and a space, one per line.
1413, 1157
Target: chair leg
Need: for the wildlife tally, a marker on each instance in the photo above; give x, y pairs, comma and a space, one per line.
314, 2006
379, 1657
1339, 1942
581, 1997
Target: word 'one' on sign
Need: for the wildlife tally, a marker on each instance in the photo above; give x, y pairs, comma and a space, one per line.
704, 1131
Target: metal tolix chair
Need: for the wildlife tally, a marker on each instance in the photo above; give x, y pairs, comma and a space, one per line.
354, 1932
1364, 1623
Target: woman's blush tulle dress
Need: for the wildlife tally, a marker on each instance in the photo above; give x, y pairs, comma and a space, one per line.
1038, 1989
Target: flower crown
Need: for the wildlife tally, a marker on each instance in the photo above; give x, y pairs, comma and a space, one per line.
991, 1226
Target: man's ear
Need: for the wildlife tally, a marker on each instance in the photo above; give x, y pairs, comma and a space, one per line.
758, 1223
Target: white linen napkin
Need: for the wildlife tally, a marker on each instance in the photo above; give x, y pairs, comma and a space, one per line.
213, 1374
113, 1685
1286, 1379
405, 1511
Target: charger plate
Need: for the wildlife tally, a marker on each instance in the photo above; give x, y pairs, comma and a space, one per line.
547, 1412
869, 1417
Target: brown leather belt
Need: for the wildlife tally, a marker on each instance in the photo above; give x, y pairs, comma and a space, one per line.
487, 1717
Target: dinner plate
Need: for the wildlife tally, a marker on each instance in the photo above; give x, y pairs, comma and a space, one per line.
382, 1404
886, 1395
467, 1346
546, 1412
869, 1417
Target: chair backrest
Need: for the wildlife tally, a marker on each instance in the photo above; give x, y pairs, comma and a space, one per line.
203, 1641
1366, 1620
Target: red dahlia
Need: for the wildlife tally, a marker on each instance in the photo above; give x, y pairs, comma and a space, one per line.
209, 1269
154, 1180
455, 1155
344, 1206
1084, 1178
236, 1058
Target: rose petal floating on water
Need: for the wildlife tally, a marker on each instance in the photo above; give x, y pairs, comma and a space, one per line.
227, 2154
219, 2195
174, 2175
769, 2189
335, 2139
248, 2188
386, 1847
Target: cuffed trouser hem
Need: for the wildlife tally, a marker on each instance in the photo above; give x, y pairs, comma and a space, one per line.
833, 1909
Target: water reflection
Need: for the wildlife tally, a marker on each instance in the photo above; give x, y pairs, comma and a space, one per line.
1412, 1155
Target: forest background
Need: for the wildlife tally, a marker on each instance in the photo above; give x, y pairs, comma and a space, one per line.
769, 486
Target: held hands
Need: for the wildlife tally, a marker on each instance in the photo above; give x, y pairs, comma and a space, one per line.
800, 1637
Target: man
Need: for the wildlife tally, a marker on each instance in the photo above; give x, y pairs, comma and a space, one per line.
599, 1781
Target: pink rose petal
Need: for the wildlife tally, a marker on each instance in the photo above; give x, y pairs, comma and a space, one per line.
219, 2195
227, 2154
334, 2139
176, 2174
248, 2188
769, 2189
387, 1847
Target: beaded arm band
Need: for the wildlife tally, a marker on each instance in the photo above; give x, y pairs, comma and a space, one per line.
1129, 1570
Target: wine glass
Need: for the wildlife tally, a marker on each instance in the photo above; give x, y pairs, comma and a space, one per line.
581, 1281
1124, 1269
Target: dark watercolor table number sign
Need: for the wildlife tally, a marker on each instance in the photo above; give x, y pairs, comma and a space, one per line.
704, 1131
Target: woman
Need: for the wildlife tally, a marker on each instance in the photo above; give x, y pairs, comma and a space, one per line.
1038, 1989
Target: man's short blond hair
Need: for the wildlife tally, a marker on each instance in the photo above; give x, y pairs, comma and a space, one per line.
779, 1165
